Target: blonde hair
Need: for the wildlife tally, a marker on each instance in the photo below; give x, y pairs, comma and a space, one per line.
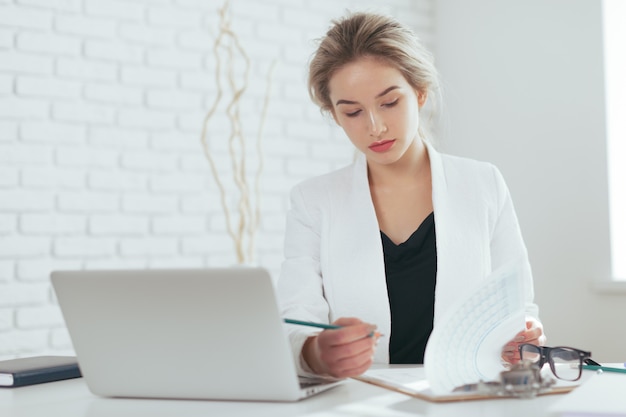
367, 35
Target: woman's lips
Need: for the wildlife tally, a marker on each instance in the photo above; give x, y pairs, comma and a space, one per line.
382, 145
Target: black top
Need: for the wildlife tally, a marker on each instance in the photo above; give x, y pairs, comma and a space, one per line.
411, 270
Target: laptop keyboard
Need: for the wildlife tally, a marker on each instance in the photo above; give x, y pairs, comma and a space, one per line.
312, 382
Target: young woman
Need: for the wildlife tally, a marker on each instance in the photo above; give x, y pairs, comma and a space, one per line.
391, 241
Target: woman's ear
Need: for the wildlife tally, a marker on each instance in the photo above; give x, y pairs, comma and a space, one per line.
421, 98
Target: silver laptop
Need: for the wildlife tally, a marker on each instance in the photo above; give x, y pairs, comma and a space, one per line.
189, 333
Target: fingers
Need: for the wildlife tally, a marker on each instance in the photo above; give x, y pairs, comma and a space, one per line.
351, 330
348, 359
510, 353
347, 321
347, 351
533, 334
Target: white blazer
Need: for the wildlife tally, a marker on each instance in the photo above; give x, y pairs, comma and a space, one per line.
334, 263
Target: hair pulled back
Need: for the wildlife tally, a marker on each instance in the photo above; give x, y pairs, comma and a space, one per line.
367, 35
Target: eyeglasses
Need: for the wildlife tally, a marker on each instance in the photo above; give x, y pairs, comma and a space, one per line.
565, 362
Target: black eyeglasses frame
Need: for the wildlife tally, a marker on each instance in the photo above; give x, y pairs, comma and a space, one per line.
546, 357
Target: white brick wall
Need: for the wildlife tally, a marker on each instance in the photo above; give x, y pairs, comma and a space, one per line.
101, 108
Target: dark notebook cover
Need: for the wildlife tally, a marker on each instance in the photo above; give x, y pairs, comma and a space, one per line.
36, 370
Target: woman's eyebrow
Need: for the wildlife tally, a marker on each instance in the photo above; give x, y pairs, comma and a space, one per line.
393, 87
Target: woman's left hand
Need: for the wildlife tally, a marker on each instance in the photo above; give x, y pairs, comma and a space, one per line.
532, 334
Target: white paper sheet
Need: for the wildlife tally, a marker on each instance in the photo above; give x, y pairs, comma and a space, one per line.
466, 344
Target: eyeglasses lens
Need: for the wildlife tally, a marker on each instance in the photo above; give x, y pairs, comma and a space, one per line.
530, 353
566, 363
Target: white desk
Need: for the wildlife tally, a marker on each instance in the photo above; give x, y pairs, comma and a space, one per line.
71, 398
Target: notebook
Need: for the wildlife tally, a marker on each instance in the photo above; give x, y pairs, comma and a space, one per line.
37, 370
190, 333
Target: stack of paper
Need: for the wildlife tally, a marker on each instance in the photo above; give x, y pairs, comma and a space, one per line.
466, 344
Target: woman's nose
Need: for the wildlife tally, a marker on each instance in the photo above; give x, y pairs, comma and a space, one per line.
376, 124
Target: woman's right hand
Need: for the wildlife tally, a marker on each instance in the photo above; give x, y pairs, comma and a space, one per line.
344, 352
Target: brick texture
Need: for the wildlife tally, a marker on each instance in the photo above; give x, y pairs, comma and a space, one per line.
102, 104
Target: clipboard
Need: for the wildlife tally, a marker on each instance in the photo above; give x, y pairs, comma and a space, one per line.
412, 381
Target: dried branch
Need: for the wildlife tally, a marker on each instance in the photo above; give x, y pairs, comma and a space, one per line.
248, 219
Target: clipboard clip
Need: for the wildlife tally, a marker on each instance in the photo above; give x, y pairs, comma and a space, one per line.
522, 380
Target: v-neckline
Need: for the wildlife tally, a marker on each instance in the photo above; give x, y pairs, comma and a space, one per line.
410, 239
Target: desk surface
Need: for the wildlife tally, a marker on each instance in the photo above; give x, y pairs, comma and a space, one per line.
71, 398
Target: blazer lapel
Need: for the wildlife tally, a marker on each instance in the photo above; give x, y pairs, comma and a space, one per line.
358, 287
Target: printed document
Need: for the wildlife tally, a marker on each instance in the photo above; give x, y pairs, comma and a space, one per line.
466, 344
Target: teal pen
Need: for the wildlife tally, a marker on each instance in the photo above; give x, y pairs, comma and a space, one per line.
312, 324
604, 368
321, 325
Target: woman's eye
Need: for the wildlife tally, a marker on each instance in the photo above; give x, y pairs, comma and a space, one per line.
391, 103
354, 113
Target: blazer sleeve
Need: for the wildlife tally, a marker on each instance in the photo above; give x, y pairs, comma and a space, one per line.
299, 287
507, 243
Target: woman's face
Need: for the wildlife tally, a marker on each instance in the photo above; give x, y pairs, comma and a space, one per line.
377, 108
